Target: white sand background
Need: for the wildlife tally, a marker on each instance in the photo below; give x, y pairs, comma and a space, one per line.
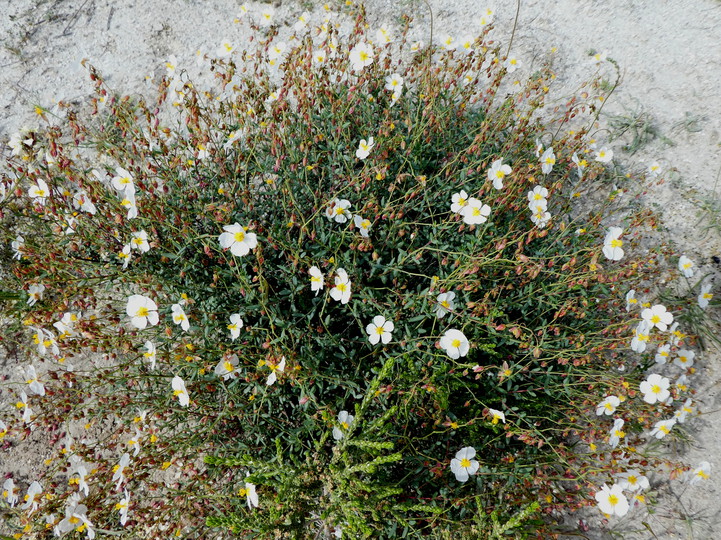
669, 52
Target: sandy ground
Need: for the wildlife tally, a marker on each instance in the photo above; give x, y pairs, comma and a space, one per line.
669, 55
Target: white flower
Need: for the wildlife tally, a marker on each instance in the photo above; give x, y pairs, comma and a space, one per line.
465, 44
701, 472
604, 155
685, 358
274, 370
686, 409
341, 291
654, 169
662, 428
32, 497
302, 22
612, 246
454, 343
540, 218
608, 405
612, 501
486, 18
123, 182
179, 317
463, 465
31, 378
35, 293
251, 496
227, 368
140, 241
344, 422
180, 391
65, 325
361, 56
662, 353
633, 480
641, 336
498, 172
81, 201
235, 325
364, 148
128, 202
75, 519
598, 57
459, 201
118, 470
150, 353
416, 46
631, 299
511, 64
18, 244
266, 15
685, 265
9, 492
581, 164
276, 51
122, 507
237, 239
379, 330
655, 389
448, 42
394, 83
539, 193
703, 299
496, 415
337, 210
362, 224
383, 35
319, 57
548, 160
475, 212
444, 304
39, 192
616, 433
142, 310
27, 411
225, 49
316, 279
657, 316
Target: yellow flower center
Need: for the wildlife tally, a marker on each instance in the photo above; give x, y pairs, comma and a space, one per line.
239, 236
465, 463
613, 500
142, 312
363, 56
342, 287
228, 366
344, 425
655, 319
616, 243
379, 330
500, 174
655, 389
632, 480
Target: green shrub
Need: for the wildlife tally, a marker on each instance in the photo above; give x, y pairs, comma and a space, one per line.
540, 305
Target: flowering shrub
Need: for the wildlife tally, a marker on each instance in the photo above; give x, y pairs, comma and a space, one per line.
358, 286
